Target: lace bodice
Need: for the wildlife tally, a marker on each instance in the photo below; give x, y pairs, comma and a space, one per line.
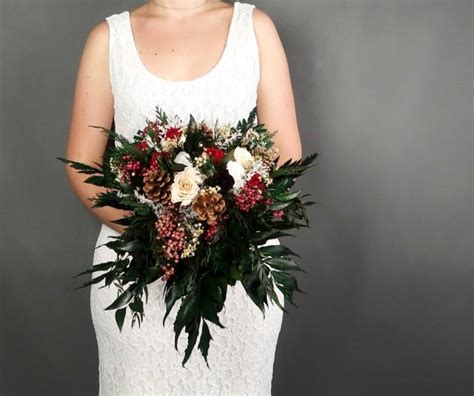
226, 93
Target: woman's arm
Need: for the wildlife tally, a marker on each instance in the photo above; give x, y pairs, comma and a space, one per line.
92, 105
275, 102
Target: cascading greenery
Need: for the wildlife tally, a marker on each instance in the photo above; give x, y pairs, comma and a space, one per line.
235, 253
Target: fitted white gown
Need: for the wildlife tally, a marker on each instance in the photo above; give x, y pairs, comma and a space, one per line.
142, 360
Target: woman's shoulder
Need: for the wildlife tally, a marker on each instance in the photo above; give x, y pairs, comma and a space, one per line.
264, 26
261, 19
99, 33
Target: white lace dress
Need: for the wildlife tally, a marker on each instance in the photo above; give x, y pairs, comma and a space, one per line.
142, 360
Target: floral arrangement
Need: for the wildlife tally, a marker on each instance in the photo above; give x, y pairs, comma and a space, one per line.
204, 201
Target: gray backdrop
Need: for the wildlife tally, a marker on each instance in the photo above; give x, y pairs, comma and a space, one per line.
383, 90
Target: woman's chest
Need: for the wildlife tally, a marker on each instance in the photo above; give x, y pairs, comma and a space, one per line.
226, 95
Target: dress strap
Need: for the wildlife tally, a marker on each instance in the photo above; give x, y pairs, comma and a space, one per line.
119, 50
243, 20
244, 44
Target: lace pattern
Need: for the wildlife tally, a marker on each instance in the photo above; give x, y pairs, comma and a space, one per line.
142, 360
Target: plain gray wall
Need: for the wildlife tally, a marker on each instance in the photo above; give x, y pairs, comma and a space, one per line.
383, 90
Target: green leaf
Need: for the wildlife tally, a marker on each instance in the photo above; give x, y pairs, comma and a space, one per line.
136, 305
132, 246
280, 205
123, 299
120, 317
97, 267
251, 286
287, 293
187, 311
193, 331
283, 264
178, 167
152, 274
277, 251
294, 168
234, 273
288, 196
275, 298
96, 180
286, 280
126, 221
262, 237
210, 313
204, 341
172, 295
145, 289
92, 281
211, 300
81, 167
191, 123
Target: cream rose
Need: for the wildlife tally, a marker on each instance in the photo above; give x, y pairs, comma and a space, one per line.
237, 171
243, 157
186, 185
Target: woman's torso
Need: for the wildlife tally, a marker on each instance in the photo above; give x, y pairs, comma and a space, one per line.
226, 93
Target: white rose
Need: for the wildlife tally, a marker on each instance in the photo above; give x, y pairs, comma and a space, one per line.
237, 171
186, 185
182, 138
183, 158
243, 157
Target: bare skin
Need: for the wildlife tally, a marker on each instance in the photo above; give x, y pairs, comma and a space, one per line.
167, 39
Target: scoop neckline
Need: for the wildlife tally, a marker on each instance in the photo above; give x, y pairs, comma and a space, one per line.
202, 77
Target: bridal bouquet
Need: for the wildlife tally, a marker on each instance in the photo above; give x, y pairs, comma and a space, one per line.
204, 201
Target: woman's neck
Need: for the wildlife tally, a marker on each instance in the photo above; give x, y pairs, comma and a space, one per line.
180, 4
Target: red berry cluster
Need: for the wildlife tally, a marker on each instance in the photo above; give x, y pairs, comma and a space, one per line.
251, 193
129, 167
168, 271
278, 213
172, 234
211, 230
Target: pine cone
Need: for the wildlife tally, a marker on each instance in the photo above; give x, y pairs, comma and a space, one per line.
208, 205
157, 185
268, 155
